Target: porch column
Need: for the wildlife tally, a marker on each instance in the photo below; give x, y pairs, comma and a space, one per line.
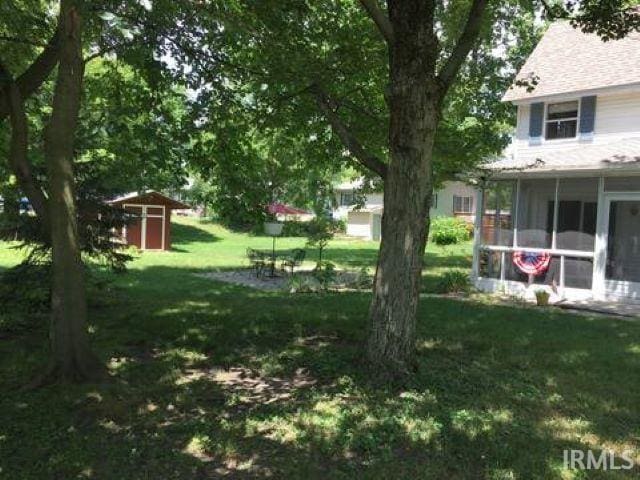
477, 233
600, 253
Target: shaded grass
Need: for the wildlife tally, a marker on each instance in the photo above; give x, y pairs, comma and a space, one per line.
500, 391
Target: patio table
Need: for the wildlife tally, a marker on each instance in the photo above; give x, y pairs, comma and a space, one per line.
271, 257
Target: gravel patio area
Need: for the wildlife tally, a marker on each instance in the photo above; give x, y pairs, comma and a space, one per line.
247, 278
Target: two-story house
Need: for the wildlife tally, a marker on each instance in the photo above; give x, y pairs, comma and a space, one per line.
562, 212
362, 212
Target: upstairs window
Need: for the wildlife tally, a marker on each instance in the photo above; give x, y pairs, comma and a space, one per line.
462, 204
561, 120
347, 199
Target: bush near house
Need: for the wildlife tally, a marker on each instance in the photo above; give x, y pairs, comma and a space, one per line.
454, 281
294, 228
449, 231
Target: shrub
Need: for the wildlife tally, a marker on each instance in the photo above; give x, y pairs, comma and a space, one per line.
363, 279
294, 228
454, 281
26, 287
320, 232
449, 231
97, 222
340, 226
303, 284
325, 274
25, 296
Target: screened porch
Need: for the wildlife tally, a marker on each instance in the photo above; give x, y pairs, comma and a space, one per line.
587, 231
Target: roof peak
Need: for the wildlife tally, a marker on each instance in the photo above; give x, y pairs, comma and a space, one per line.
568, 60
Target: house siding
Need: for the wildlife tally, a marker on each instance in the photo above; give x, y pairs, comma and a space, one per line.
616, 117
445, 198
361, 223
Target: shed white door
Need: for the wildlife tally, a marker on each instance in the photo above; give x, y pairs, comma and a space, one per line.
622, 267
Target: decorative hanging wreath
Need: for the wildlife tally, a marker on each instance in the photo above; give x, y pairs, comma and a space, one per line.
531, 263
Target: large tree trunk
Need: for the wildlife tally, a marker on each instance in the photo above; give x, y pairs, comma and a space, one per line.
414, 112
71, 357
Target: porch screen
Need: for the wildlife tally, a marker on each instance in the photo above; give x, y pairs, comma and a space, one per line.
535, 213
490, 264
497, 213
623, 245
577, 211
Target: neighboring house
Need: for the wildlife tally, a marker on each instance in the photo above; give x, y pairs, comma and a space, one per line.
454, 199
566, 202
362, 212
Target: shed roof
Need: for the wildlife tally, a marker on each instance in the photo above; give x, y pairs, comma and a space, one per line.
568, 60
619, 155
152, 197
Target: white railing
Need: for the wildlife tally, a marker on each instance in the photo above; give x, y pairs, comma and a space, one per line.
551, 251
562, 254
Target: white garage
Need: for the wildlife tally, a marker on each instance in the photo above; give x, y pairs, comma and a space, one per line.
365, 223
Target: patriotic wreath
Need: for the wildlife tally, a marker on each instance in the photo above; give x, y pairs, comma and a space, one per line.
531, 263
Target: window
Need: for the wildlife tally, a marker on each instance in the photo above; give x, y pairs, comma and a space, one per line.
347, 199
462, 204
562, 120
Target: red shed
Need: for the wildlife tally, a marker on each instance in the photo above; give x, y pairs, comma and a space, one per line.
152, 228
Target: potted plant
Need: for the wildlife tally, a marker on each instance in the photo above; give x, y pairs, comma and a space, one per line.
542, 297
273, 228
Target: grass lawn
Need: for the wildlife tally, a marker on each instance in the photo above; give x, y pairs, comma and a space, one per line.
216, 381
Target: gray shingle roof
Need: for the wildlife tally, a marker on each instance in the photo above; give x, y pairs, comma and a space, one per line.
619, 155
568, 60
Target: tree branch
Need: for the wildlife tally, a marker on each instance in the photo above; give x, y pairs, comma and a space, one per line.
25, 41
35, 75
379, 18
327, 107
463, 46
18, 150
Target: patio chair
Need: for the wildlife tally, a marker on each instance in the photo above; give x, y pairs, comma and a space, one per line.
294, 259
256, 260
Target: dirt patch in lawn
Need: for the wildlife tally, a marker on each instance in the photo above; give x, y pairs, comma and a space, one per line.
249, 387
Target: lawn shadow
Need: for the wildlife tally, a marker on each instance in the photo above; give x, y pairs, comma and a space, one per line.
217, 380
489, 376
190, 233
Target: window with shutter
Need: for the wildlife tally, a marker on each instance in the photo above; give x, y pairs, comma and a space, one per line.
561, 120
536, 120
587, 116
